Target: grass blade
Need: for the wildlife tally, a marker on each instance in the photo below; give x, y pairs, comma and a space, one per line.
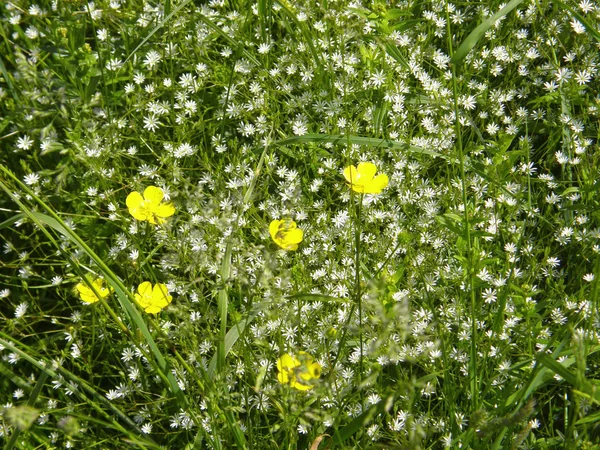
13, 219
362, 421
471, 40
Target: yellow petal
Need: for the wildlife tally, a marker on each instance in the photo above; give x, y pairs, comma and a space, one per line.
139, 214
379, 183
287, 362
294, 236
315, 370
152, 309
153, 195
351, 174
86, 294
300, 386
283, 377
165, 210
82, 288
366, 171
145, 289
134, 199
89, 298
274, 228
305, 375
160, 296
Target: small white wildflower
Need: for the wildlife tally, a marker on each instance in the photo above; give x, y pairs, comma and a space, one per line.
24, 142
31, 179
21, 309
18, 393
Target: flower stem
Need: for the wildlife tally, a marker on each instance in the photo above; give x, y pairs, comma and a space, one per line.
357, 289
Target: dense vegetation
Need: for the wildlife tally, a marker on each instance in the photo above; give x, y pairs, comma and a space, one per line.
189, 259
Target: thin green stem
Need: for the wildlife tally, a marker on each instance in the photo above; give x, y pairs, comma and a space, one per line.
473, 376
357, 282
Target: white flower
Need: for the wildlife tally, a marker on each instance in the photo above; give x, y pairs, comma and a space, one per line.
32, 32
113, 394
151, 123
18, 393
152, 59
577, 26
586, 6
264, 48
24, 142
31, 179
21, 309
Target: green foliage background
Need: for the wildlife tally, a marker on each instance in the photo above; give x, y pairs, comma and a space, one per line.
458, 309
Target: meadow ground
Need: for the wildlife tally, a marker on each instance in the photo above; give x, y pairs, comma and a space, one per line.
299, 224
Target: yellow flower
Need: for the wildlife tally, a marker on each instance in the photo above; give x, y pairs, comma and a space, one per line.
87, 295
149, 207
286, 233
362, 179
298, 372
152, 299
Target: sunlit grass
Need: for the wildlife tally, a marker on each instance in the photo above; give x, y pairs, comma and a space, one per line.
299, 225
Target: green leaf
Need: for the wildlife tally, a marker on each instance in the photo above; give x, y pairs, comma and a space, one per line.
475, 35
13, 219
363, 420
234, 334
395, 53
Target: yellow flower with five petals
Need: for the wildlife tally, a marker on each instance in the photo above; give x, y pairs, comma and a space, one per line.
362, 179
87, 295
299, 372
286, 233
149, 206
152, 299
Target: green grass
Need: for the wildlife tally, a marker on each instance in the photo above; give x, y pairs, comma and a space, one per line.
456, 309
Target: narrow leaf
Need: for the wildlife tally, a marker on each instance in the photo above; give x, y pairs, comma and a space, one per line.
475, 35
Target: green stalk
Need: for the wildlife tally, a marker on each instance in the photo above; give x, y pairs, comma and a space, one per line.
223, 297
223, 301
474, 385
357, 286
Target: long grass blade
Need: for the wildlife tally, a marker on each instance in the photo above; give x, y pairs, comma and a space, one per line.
471, 40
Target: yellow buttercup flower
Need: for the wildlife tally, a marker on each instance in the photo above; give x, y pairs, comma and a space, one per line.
286, 233
299, 372
88, 295
362, 179
152, 299
149, 206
